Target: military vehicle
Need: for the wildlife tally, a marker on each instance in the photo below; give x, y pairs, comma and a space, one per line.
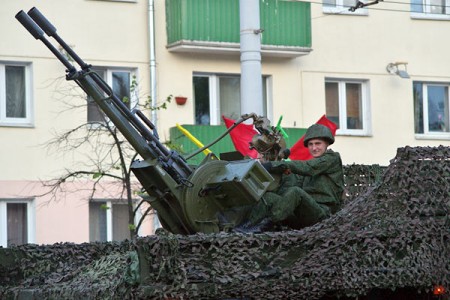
390, 241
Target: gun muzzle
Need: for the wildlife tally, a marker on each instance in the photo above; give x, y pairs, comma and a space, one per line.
38, 33
42, 21
30, 25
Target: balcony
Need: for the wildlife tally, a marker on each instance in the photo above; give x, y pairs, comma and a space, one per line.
207, 134
207, 26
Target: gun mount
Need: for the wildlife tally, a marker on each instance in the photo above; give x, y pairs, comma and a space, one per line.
187, 198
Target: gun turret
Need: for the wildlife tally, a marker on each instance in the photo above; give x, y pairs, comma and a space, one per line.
187, 200
136, 128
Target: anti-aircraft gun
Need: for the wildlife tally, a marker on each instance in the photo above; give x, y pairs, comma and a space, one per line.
187, 198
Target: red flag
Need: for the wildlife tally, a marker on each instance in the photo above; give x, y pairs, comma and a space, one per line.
299, 151
241, 136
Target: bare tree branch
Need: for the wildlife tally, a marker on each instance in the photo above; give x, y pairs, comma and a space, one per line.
105, 153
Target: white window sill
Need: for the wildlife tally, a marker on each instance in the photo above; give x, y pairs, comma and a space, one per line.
96, 125
24, 125
352, 133
130, 1
431, 136
345, 11
425, 16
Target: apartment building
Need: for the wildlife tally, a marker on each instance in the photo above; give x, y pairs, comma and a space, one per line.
379, 71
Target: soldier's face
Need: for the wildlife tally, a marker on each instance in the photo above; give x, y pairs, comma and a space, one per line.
317, 147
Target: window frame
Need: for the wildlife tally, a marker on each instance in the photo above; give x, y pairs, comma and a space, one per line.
108, 78
426, 11
109, 216
214, 95
341, 9
31, 220
427, 134
365, 106
16, 122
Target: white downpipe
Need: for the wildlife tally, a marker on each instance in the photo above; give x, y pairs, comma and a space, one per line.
251, 78
151, 39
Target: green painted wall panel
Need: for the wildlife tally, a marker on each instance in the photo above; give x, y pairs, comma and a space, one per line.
173, 20
285, 23
203, 20
205, 134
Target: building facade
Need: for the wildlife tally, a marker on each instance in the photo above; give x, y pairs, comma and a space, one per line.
380, 72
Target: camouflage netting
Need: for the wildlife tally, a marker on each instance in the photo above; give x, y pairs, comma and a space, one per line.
68, 271
395, 235
393, 232
359, 178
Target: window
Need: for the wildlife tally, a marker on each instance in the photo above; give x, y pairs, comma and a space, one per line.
430, 9
342, 7
347, 105
108, 221
217, 95
432, 109
16, 222
121, 83
15, 101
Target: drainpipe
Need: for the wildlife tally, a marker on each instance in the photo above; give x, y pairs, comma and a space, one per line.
151, 39
250, 33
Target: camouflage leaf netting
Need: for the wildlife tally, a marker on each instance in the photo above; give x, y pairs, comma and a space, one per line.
359, 178
68, 271
393, 232
395, 235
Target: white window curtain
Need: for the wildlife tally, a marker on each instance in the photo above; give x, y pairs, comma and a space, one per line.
15, 92
17, 228
217, 95
347, 105
230, 94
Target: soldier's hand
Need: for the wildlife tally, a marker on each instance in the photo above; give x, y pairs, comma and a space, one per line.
267, 166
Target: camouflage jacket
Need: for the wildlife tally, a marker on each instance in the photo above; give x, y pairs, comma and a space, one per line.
321, 177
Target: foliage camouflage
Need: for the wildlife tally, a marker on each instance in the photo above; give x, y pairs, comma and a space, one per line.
67, 271
394, 235
359, 178
393, 232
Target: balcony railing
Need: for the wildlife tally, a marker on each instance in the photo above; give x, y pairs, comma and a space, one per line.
207, 134
213, 26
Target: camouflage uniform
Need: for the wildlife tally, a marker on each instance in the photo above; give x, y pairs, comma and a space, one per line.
309, 191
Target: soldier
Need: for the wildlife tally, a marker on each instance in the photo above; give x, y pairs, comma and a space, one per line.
309, 191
